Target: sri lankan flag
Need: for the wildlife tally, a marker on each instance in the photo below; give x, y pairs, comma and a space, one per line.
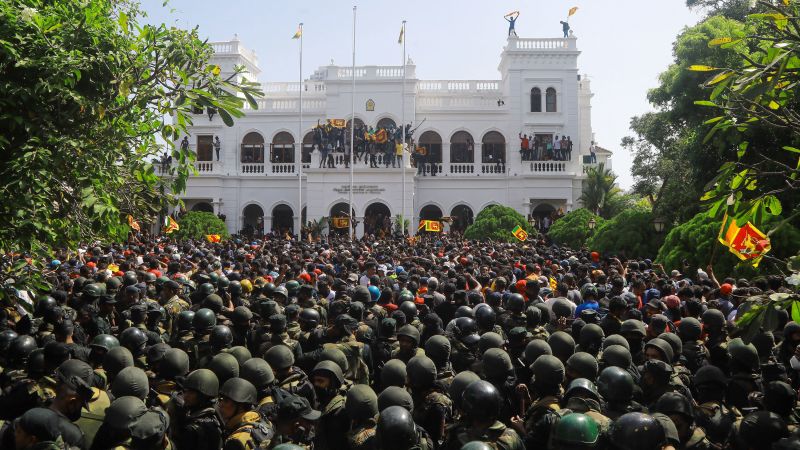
746, 242
299, 33
170, 225
519, 233
434, 226
133, 224
340, 222
213, 238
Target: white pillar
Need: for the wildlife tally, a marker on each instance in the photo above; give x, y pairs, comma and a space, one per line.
445, 158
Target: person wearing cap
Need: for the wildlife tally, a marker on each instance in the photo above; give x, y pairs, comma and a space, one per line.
74, 394
173, 305
295, 421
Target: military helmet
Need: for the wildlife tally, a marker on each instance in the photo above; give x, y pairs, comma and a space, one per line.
675, 403
113, 284
130, 279
421, 372
576, 430
409, 309
292, 286
743, 354
490, 340
674, 342
204, 320
615, 384
184, 321
214, 303
395, 396
582, 386
174, 364
438, 349
481, 400
104, 341
396, 429
282, 291
548, 370
690, 329
131, 381
361, 402
133, 339
44, 303
258, 372
562, 308
534, 350
6, 338
239, 390
221, 337
583, 365
460, 382
709, 375
591, 337
615, 339
486, 317
760, 429
496, 364
223, 283
225, 366
562, 344
279, 357
331, 369
92, 290
410, 332
476, 445
242, 354
117, 359
123, 412
662, 347
203, 381
235, 288
515, 303
637, 431
309, 316
632, 326
206, 289
155, 354
467, 330
335, 355
713, 318
241, 315
617, 355
394, 373
36, 366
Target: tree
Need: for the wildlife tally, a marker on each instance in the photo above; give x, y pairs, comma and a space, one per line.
86, 89
401, 224
599, 189
573, 230
197, 224
629, 233
495, 222
671, 162
694, 242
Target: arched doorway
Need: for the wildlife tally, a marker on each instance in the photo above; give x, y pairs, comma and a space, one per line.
463, 217
544, 214
430, 212
493, 151
462, 153
378, 220
282, 219
308, 147
339, 210
203, 207
253, 221
433, 144
252, 148
386, 123
282, 148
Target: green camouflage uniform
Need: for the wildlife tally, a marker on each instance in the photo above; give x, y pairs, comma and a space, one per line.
497, 436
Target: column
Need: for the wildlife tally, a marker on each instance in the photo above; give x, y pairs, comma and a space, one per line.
478, 157
360, 227
445, 158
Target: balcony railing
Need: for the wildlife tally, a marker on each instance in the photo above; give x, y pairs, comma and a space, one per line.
543, 44
546, 166
462, 168
283, 168
493, 168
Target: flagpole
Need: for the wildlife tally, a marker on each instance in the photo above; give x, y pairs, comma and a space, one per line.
403, 125
300, 138
353, 129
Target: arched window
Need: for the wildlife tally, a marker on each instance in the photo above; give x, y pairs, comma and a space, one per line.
462, 148
386, 123
493, 149
253, 148
433, 144
536, 100
308, 146
551, 100
282, 148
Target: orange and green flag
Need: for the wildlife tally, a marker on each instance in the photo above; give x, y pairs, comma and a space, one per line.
213, 238
433, 226
519, 233
170, 225
341, 222
746, 242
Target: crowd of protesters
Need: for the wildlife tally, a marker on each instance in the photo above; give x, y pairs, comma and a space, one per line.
436, 343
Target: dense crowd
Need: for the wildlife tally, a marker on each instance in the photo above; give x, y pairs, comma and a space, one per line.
439, 343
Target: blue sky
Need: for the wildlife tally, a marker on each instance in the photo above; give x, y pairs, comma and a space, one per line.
625, 44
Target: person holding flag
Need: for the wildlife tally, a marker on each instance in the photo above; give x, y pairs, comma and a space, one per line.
565, 25
511, 18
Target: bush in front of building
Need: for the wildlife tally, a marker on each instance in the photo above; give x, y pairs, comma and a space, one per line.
496, 222
629, 234
689, 247
196, 225
573, 230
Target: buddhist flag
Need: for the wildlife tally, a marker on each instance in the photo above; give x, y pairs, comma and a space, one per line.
433, 226
213, 238
170, 225
341, 222
519, 233
133, 224
572, 11
299, 32
746, 242
402, 33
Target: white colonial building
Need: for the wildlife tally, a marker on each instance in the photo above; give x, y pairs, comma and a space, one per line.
470, 128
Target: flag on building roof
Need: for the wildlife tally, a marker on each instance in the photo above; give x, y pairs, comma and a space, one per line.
133, 224
519, 233
402, 33
170, 225
746, 242
299, 33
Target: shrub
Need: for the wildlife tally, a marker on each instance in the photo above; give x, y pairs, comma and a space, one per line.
495, 223
196, 225
629, 234
572, 230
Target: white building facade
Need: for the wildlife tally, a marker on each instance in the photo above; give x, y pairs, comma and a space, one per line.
470, 127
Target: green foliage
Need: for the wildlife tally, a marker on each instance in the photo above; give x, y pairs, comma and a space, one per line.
599, 190
671, 163
757, 97
401, 224
629, 233
86, 87
696, 240
495, 223
573, 229
197, 224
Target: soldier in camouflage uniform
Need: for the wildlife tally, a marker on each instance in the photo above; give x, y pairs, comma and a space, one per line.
196, 424
258, 372
433, 409
341, 333
279, 336
311, 332
437, 348
37, 429
294, 423
396, 430
361, 406
289, 377
328, 381
183, 335
514, 315
548, 375
408, 344
203, 323
173, 305
245, 429
481, 404
582, 397
680, 411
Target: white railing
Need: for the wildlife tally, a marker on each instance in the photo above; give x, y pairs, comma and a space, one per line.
389, 72
311, 87
462, 168
253, 168
348, 72
452, 102
283, 168
282, 105
493, 168
205, 166
546, 166
234, 47
458, 86
544, 44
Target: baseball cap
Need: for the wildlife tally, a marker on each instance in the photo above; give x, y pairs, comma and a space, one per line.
726, 289
293, 407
